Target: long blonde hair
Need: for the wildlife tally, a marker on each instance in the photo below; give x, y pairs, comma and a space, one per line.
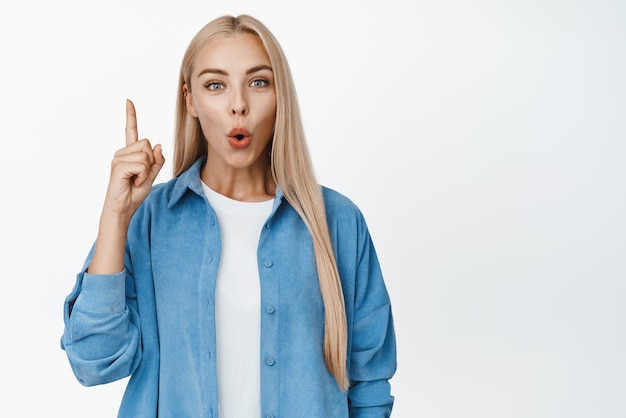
291, 168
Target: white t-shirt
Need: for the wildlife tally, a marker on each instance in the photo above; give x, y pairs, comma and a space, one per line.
238, 304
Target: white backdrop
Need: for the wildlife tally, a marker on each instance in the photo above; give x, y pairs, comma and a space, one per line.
484, 141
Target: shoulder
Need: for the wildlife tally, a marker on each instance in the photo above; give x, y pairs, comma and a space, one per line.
342, 210
335, 199
337, 202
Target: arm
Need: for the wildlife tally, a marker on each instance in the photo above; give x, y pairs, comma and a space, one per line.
373, 348
102, 333
372, 364
133, 171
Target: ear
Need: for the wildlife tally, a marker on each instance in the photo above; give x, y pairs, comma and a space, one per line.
189, 101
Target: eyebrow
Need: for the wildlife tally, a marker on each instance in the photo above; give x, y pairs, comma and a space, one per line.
248, 72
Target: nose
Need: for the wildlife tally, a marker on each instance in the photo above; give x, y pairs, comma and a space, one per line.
239, 104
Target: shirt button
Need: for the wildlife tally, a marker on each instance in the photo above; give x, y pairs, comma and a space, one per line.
268, 263
270, 309
270, 361
270, 416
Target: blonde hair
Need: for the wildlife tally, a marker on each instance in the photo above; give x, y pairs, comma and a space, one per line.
292, 171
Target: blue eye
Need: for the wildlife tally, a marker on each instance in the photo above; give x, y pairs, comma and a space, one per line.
214, 85
259, 82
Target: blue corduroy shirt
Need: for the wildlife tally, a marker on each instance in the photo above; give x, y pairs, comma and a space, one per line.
155, 321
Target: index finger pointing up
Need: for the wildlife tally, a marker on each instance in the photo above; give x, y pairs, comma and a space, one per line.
132, 135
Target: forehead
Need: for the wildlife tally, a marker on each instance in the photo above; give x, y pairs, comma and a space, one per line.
232, 52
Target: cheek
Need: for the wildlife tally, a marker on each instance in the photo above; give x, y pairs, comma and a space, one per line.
207, 111
210, 124
270, 110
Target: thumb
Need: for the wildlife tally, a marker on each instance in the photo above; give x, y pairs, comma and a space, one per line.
159, 161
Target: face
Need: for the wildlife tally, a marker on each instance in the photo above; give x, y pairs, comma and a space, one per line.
232, 94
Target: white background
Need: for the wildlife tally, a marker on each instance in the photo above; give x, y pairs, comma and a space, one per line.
485, 142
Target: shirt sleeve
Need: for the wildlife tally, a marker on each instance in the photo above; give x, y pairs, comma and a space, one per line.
102, 336
373, 347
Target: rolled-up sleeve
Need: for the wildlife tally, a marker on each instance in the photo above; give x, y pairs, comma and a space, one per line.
372, 364
101, 336
373, 347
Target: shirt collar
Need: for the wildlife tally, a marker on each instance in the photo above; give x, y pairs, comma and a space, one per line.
190, 180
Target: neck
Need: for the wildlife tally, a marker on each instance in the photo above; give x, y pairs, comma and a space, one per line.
248, 185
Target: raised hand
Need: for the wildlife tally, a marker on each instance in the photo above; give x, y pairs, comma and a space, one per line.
133, 171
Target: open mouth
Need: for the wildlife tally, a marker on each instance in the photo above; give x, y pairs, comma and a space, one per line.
239, 138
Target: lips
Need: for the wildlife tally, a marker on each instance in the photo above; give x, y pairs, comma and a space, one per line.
239, 138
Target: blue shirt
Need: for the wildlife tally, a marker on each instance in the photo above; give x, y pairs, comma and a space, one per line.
155, 321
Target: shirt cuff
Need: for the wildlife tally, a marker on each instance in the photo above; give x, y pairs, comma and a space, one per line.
102, 293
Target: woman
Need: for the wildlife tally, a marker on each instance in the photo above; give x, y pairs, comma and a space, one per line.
239, 287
